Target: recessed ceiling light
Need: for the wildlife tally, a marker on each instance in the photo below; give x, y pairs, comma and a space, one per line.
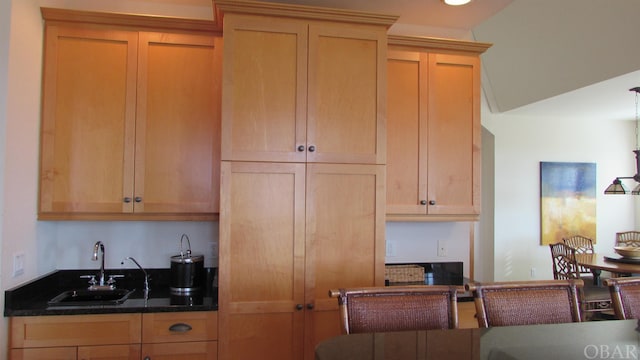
456, 2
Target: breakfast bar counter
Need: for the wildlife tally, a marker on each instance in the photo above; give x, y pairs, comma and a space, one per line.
618, 339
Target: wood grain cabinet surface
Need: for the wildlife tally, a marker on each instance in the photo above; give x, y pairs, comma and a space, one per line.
149, 336
433, 144
130, 120
75, 336
288, 234
180, 335
301, 90
302, 185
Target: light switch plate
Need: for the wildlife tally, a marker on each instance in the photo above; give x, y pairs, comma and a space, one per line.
391, 248
18, 264
442, 248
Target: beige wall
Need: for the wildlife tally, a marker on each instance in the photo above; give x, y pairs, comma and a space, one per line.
522, 141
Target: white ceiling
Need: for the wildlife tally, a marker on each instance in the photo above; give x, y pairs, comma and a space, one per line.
431, 13
548, 56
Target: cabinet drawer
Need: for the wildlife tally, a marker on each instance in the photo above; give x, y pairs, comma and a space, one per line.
74, 330
109, 352
179, 326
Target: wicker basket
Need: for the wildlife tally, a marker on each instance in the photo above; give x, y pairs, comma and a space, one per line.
403, 273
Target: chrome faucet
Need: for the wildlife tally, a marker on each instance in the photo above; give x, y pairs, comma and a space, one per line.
146, 277
99, 247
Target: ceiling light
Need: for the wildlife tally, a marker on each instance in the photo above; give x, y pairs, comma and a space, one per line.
456, 2
616, 186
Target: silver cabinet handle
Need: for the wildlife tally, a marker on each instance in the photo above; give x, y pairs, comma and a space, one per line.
180, 327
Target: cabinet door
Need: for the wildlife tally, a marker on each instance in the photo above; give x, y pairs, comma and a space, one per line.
264, 92
197, 350
88, 115
178, 124
454, 134
262, 259
347, 87
433, 166
407, 131
344, 240
74, 330
109, 352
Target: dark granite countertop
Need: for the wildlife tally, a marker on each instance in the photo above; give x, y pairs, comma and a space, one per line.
31, 298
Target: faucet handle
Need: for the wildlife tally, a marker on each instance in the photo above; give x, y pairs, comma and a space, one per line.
92, 279
112, 279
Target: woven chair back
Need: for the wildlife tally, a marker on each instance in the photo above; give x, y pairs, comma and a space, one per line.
625, 296
526, 303
397, 308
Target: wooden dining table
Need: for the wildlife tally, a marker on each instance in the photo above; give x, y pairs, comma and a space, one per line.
613, 263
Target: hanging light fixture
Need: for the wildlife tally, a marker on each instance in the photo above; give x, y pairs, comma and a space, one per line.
616, 186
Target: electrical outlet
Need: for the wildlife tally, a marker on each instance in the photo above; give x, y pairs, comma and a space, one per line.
442, 248
18, 264
391, 248
533, 273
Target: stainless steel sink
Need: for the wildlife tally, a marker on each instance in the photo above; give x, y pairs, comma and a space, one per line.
86, 297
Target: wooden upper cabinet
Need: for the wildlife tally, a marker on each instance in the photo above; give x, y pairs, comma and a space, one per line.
130, 121
264, 112
346, 122
177, 152
302, 90
454, 132
406, 129
88, 120
434, 130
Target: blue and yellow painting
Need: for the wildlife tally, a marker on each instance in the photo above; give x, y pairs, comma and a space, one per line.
567, 201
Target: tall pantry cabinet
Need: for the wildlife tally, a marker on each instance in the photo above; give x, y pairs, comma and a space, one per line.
303, 172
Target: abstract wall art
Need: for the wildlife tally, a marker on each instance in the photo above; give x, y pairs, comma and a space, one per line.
567, 201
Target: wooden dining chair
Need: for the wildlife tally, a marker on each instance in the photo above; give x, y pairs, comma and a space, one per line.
581, 245
397, 308
625, 296
592, 298
527, 302
628, 238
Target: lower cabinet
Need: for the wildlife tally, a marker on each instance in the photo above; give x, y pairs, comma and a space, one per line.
467, 315
180, 335
150, 336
